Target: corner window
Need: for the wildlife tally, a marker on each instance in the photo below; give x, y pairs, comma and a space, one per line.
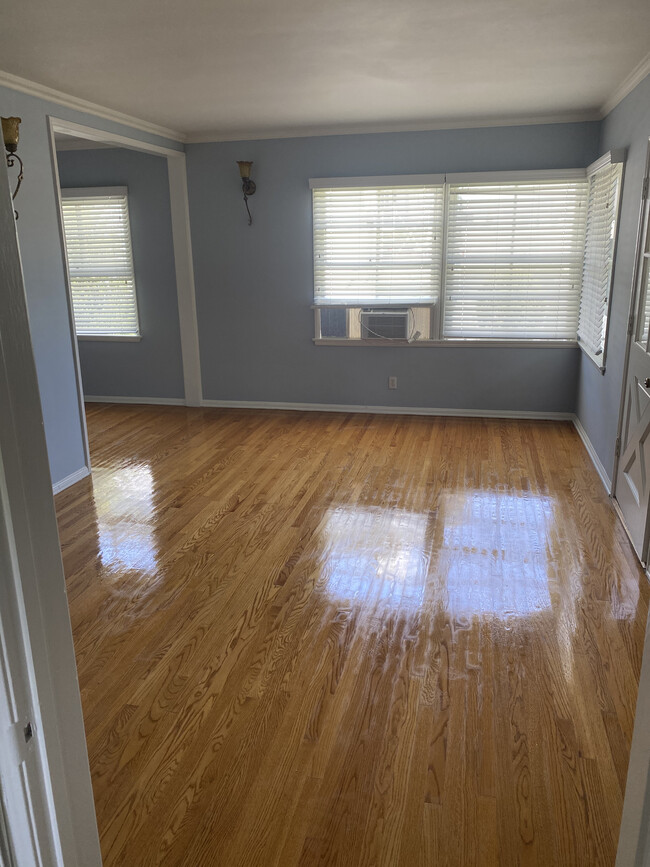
100, 262
605, 178
516, 256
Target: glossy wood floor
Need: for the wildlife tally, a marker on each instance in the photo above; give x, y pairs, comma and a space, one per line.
324, 639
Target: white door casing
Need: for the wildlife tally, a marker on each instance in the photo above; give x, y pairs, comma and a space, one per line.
28, 823
181, 240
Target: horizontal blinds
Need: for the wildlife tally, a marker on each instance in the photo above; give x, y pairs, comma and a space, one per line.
514, 259
377, 245
100, 263
600, 239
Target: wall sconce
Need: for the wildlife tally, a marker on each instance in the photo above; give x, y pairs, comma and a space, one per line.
248, 186
10, 135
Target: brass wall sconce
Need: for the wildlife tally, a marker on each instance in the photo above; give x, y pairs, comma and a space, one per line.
10, 134
248, 186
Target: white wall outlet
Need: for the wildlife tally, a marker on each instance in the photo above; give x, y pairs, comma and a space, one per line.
392, 382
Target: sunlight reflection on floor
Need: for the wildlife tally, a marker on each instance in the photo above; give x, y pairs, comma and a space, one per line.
497, 550
375, 554
125, 517
494, 554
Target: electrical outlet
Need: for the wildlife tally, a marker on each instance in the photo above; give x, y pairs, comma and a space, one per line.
392, 382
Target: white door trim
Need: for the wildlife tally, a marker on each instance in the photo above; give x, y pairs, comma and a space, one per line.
73, 338
181, 239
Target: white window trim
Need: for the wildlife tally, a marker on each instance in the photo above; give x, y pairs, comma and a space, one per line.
378, 181
90, 192
112, 338
613, 156
451, 342
515, 176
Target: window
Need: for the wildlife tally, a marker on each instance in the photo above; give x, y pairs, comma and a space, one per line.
100, 262
514, 259
377, 244
518, 256
600, 241
377, 257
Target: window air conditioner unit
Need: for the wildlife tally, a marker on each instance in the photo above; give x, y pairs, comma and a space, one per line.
387, 323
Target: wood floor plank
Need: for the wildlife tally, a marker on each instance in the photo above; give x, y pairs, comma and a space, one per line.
350, 640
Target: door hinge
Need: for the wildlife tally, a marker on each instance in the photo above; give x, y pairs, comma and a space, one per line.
630, 324
617, 447
22, 735
646, 184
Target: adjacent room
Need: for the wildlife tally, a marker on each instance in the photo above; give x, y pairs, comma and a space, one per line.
325, 366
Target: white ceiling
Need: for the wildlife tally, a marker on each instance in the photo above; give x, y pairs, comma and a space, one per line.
238, 68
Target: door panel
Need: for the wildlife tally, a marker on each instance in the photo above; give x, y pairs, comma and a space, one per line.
632, 482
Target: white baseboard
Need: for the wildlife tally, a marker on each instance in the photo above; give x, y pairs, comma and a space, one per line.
591, 451
390, 410
162, 401
72, 479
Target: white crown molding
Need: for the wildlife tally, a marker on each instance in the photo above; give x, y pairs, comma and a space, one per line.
40, 90
362, 129
33, 88
626, 86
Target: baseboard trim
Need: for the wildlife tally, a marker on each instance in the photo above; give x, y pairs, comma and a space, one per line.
161, 401
70, 480
389, 410
591, 451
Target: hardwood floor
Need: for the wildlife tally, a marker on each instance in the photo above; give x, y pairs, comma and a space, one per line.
325, 639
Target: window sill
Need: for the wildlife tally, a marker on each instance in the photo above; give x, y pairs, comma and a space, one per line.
598, 362
469, 342
118, 338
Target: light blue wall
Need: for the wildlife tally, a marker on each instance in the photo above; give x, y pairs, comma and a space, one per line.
254, 285
43, 268
598, 398
152, 367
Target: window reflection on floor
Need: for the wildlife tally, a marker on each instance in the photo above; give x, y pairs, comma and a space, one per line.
496, 551
493, 554
380, 555
125, 513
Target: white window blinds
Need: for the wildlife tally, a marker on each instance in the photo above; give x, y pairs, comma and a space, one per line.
600, 241
514, 259
100, 261
377, 244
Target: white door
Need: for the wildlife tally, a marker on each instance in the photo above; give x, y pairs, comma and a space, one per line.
26, 821
632, 481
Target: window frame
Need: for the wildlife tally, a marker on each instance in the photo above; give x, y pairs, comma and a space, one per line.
437, 338
102, 192
615, 156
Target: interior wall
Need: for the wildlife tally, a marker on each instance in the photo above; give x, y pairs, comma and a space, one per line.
598, 397
42, 258
255, 284
151, 367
